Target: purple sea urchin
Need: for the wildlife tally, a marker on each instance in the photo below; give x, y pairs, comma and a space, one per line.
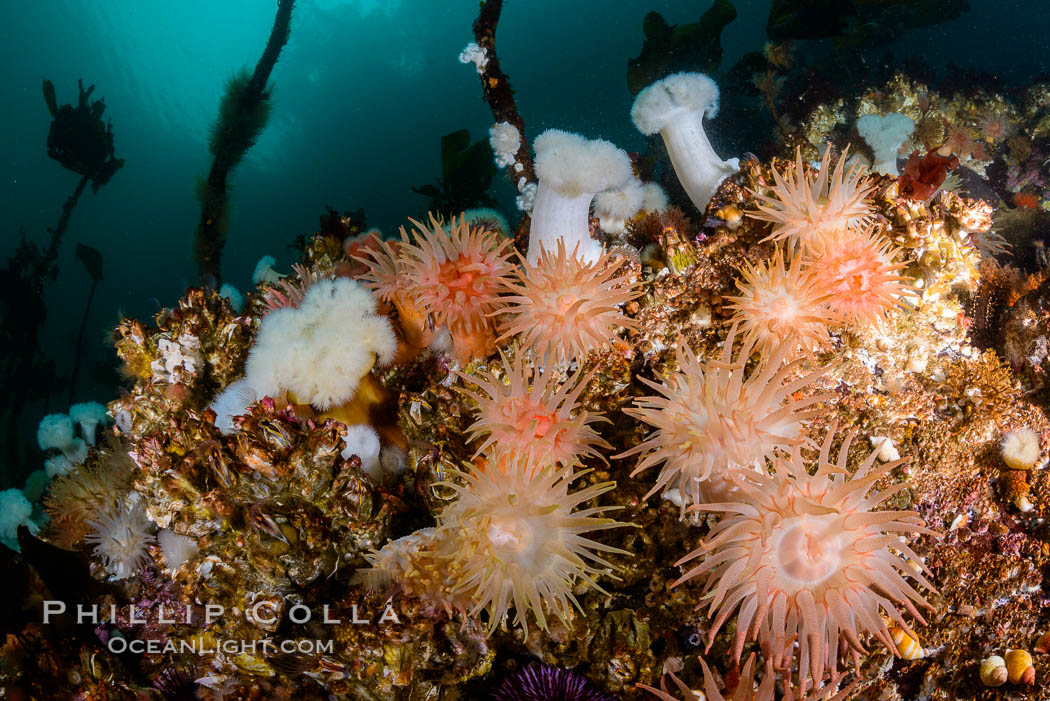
177, 684
540, 682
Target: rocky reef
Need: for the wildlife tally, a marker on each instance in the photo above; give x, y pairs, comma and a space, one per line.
789, 442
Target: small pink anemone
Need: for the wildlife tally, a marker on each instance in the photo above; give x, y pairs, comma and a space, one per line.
806, 209
457, 275
563, 307
444, 275
857, 272
514, 537
805, 557
779, 304
526, 411
713, 418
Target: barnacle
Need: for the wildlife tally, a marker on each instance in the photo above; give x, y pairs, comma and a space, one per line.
529, 412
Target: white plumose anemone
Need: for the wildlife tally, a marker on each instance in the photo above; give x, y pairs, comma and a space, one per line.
654, 199
614, 207
1020, 448
15, 511
571, 171
363, 441
55, 431
232, 401
675, 107
505, 141
885, 134
264, 271
320, 351
88, 415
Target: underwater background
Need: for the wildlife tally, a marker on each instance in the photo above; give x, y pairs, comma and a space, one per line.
363, 92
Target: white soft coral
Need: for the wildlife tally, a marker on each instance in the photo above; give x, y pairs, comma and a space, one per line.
319, 352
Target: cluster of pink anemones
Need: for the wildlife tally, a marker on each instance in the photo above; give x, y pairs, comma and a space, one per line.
527, 412
960, 141
857, 271
514, 539
780, 304
444, 275
713, 418
563, 308
805, 557
806, 210
746, 690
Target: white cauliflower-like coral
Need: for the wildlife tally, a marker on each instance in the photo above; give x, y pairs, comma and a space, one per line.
319, 352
